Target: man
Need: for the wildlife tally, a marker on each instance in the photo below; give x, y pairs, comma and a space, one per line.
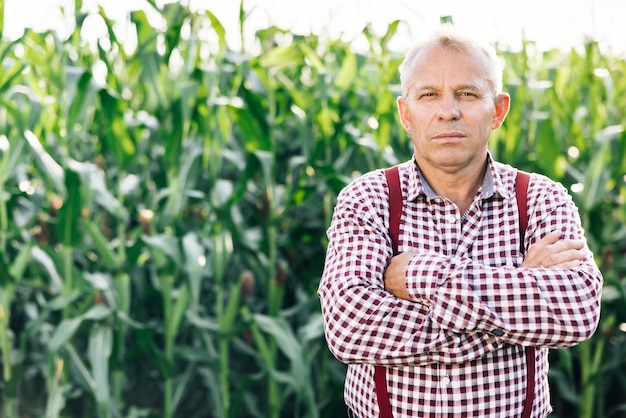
452, 317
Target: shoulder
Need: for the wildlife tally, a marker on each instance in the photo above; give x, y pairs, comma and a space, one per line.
543, 188
544, 195
538, 185
368, 195
373, 184
369, 187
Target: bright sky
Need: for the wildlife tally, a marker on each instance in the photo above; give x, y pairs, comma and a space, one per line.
550, 23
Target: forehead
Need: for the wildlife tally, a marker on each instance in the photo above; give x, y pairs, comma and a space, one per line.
443, 65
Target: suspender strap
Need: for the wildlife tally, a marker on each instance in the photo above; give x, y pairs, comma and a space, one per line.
395, 213
395, 205
521, 192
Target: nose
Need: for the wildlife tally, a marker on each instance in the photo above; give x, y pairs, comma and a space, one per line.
449, 108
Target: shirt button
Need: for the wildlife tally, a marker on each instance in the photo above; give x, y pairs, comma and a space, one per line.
445, 380
452, 219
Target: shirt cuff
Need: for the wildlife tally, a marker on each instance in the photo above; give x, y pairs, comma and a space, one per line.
424, 277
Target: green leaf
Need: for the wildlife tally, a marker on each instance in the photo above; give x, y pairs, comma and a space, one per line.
49, 168
93, 185
208, 324
163, 244
6, 278
97, 312
287, 342
195, 261
222, 192
63, 333
62, 301
190, 165
80, 94
99, 353
313, 329
56, 400
268, 164
282, 333
254, 137
227, 320
347, 75
548, 149
313, 57
179, 308
114, 130
9, 76
392, 29
20, 264
223, 249
108, 257
11, 159
219, 30
46, 262
70, 213
68, 327
596, 177
173, 135
281, 56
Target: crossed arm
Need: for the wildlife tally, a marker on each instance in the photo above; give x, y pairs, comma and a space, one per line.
549, 252
550, 300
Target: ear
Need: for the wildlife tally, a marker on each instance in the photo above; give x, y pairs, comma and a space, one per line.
502, 103
403, 110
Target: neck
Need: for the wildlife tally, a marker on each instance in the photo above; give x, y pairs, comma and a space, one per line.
460, 186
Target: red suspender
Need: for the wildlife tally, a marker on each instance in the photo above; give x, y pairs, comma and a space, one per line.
395, 205
395, 213
521, 191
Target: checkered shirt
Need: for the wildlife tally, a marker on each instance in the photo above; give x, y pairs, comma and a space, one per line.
456, 350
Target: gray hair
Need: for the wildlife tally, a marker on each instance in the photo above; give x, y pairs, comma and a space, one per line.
448, 37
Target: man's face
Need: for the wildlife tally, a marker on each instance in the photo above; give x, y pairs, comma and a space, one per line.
450, 109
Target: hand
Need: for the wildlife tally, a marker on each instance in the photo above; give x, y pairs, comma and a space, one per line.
552, 252
395, 275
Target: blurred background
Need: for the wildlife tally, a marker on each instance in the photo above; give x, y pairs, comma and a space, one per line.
555, 23
168, 172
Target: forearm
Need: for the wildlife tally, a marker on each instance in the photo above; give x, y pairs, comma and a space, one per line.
366, 324
541, 307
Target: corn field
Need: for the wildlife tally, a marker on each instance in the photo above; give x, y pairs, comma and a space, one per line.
163, 210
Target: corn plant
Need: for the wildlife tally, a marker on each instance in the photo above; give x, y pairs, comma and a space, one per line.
163, 207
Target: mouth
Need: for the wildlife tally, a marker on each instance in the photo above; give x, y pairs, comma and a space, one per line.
449, 136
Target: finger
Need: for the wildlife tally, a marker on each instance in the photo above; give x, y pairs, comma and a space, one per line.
558, 259
540, 249
566, 244
550, 238
567, 265
547, 240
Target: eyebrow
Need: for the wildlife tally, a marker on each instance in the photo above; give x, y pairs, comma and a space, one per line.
474, 87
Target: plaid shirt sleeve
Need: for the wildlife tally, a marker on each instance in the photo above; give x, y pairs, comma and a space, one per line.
545, 307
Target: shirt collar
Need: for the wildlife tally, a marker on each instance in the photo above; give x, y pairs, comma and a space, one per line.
493, 183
